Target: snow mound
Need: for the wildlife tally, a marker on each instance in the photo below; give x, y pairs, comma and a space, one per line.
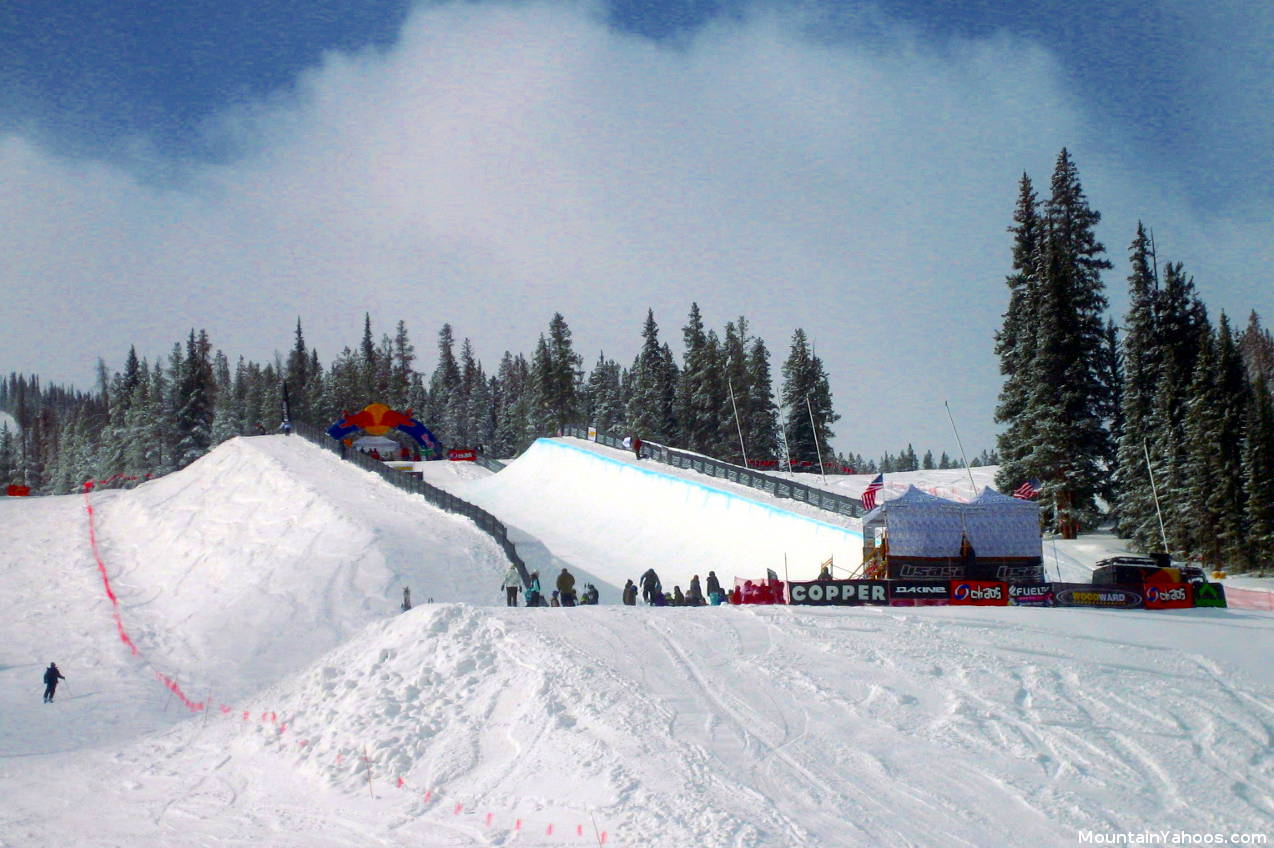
299, 549
774, 727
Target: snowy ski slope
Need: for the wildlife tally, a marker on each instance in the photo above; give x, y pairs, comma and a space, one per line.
266, 579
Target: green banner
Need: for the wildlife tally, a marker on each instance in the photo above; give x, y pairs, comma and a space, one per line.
1209, 595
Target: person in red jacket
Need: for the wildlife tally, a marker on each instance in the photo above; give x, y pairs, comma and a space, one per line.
637, 446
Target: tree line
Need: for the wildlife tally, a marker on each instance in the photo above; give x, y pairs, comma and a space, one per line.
1093, 410
154, 417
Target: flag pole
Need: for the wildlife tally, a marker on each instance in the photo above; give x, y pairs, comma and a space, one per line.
972, 485
814, 431
1155, 491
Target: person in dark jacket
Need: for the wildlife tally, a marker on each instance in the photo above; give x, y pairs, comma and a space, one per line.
51, 678
637, 446
650, 586
713, 584
694, 597
678, 599
566, 588
630, 593
406, 599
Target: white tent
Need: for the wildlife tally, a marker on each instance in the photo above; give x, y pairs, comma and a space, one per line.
386, 447
926, 526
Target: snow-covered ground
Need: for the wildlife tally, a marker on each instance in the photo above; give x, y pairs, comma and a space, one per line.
265, 579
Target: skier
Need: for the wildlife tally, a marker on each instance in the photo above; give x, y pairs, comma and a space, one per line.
630, 593
406, 599
533, 590
566, 588
51, 678
650, 586
512, 583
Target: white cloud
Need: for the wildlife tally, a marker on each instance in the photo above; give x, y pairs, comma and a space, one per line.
505, 162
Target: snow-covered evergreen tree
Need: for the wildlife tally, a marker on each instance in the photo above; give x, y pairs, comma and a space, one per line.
806, 395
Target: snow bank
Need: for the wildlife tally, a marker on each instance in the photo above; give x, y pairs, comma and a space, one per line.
297, 547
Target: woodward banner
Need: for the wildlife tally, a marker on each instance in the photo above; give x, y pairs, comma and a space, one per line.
1102, 597
851, 593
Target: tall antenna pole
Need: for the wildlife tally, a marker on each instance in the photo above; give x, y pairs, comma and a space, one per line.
814, 430
1155, 491
730, 383
972, 485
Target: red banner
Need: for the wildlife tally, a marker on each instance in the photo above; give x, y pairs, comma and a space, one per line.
462, 455
982, 593
15, 491
1168, 596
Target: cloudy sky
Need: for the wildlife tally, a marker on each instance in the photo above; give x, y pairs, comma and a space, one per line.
845, 168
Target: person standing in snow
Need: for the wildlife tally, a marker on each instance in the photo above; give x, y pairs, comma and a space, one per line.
406, 599
637, 446
650, 586
512, 583
51, 678
566, 588
694, 597
533, 590
630, 593
713, 584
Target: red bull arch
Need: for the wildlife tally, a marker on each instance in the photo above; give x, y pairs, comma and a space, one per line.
377, 419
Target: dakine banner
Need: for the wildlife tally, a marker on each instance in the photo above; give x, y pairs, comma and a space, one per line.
1102, 597
919, 593
839, 592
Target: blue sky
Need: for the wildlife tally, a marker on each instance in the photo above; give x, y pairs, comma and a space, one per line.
848, 168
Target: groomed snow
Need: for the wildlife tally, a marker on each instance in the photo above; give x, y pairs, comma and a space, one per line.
269, 575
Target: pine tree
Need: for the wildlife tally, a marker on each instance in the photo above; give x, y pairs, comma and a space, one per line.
761, 420
646, 406
1016, 339
1257, 347
193, 401
298, 378
806, 395
1258, 477
402, 357
603, 396
512, 404
443, 384
1069, 437
1142, 363
564, 375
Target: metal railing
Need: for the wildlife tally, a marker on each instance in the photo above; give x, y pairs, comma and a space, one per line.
776, 486
444, 500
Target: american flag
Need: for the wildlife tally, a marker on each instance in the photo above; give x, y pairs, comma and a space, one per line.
1028, 490
869, 496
